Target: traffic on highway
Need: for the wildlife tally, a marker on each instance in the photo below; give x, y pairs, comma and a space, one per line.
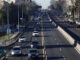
39, 30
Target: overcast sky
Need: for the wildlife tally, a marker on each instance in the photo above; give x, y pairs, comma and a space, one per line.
43, 3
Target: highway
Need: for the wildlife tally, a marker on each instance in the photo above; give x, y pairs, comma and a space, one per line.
53, 45
57, 47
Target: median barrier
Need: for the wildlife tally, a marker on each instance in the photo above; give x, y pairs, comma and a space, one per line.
69, 38
66, 35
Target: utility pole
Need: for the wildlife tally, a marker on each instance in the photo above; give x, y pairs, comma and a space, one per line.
22, 10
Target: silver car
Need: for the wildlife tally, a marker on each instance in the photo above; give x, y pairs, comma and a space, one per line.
22, 39
16, 50
35, 33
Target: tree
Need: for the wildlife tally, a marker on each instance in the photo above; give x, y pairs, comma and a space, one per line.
77, 8
2, 18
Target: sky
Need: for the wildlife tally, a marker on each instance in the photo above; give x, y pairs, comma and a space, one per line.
43, 3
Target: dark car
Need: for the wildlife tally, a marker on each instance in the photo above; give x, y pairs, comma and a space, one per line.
33, 53
78, 26
72, 22
34, 44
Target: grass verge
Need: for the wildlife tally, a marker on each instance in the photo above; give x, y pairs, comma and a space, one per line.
5, 37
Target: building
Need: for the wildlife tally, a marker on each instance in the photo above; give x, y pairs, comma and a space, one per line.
1, 3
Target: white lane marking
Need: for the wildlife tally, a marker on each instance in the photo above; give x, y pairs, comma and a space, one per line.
60, 49
57, 43
64, 57
55, 39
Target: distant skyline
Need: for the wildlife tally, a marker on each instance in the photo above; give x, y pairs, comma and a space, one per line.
43, 3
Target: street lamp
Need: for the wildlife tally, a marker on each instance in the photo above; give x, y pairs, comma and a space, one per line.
8, 28
8, 22
22, 10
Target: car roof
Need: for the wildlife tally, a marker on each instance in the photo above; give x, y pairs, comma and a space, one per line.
22, 37
16, 47
34, 41
35, 31
32, 50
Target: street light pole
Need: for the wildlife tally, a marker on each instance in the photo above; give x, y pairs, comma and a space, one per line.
18, 18
22, 11
8, 28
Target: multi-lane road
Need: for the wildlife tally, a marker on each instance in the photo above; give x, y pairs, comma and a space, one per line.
53, 45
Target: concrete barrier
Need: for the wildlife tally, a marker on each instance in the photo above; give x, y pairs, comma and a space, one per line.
69, 38
66, 35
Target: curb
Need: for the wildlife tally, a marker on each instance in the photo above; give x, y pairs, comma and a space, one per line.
18, 35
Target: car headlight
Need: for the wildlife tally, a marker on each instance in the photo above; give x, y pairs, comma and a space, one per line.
31, 46
33, 34
29, 55
12, 53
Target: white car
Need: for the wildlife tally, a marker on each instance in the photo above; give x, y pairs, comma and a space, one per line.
35, 33
16, 50
22, 39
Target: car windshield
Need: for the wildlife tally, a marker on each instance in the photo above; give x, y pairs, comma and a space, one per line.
31, 51
22, 37
16, 48
35, 32
34, 42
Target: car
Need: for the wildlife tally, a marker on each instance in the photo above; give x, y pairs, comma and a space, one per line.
34, 44
33, 53
16, 50
36, 19
35, 33
31, 26
22, 39
72, 22
38, 23
78, 26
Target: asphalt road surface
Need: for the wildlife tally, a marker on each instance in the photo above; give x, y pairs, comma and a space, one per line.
53, 45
